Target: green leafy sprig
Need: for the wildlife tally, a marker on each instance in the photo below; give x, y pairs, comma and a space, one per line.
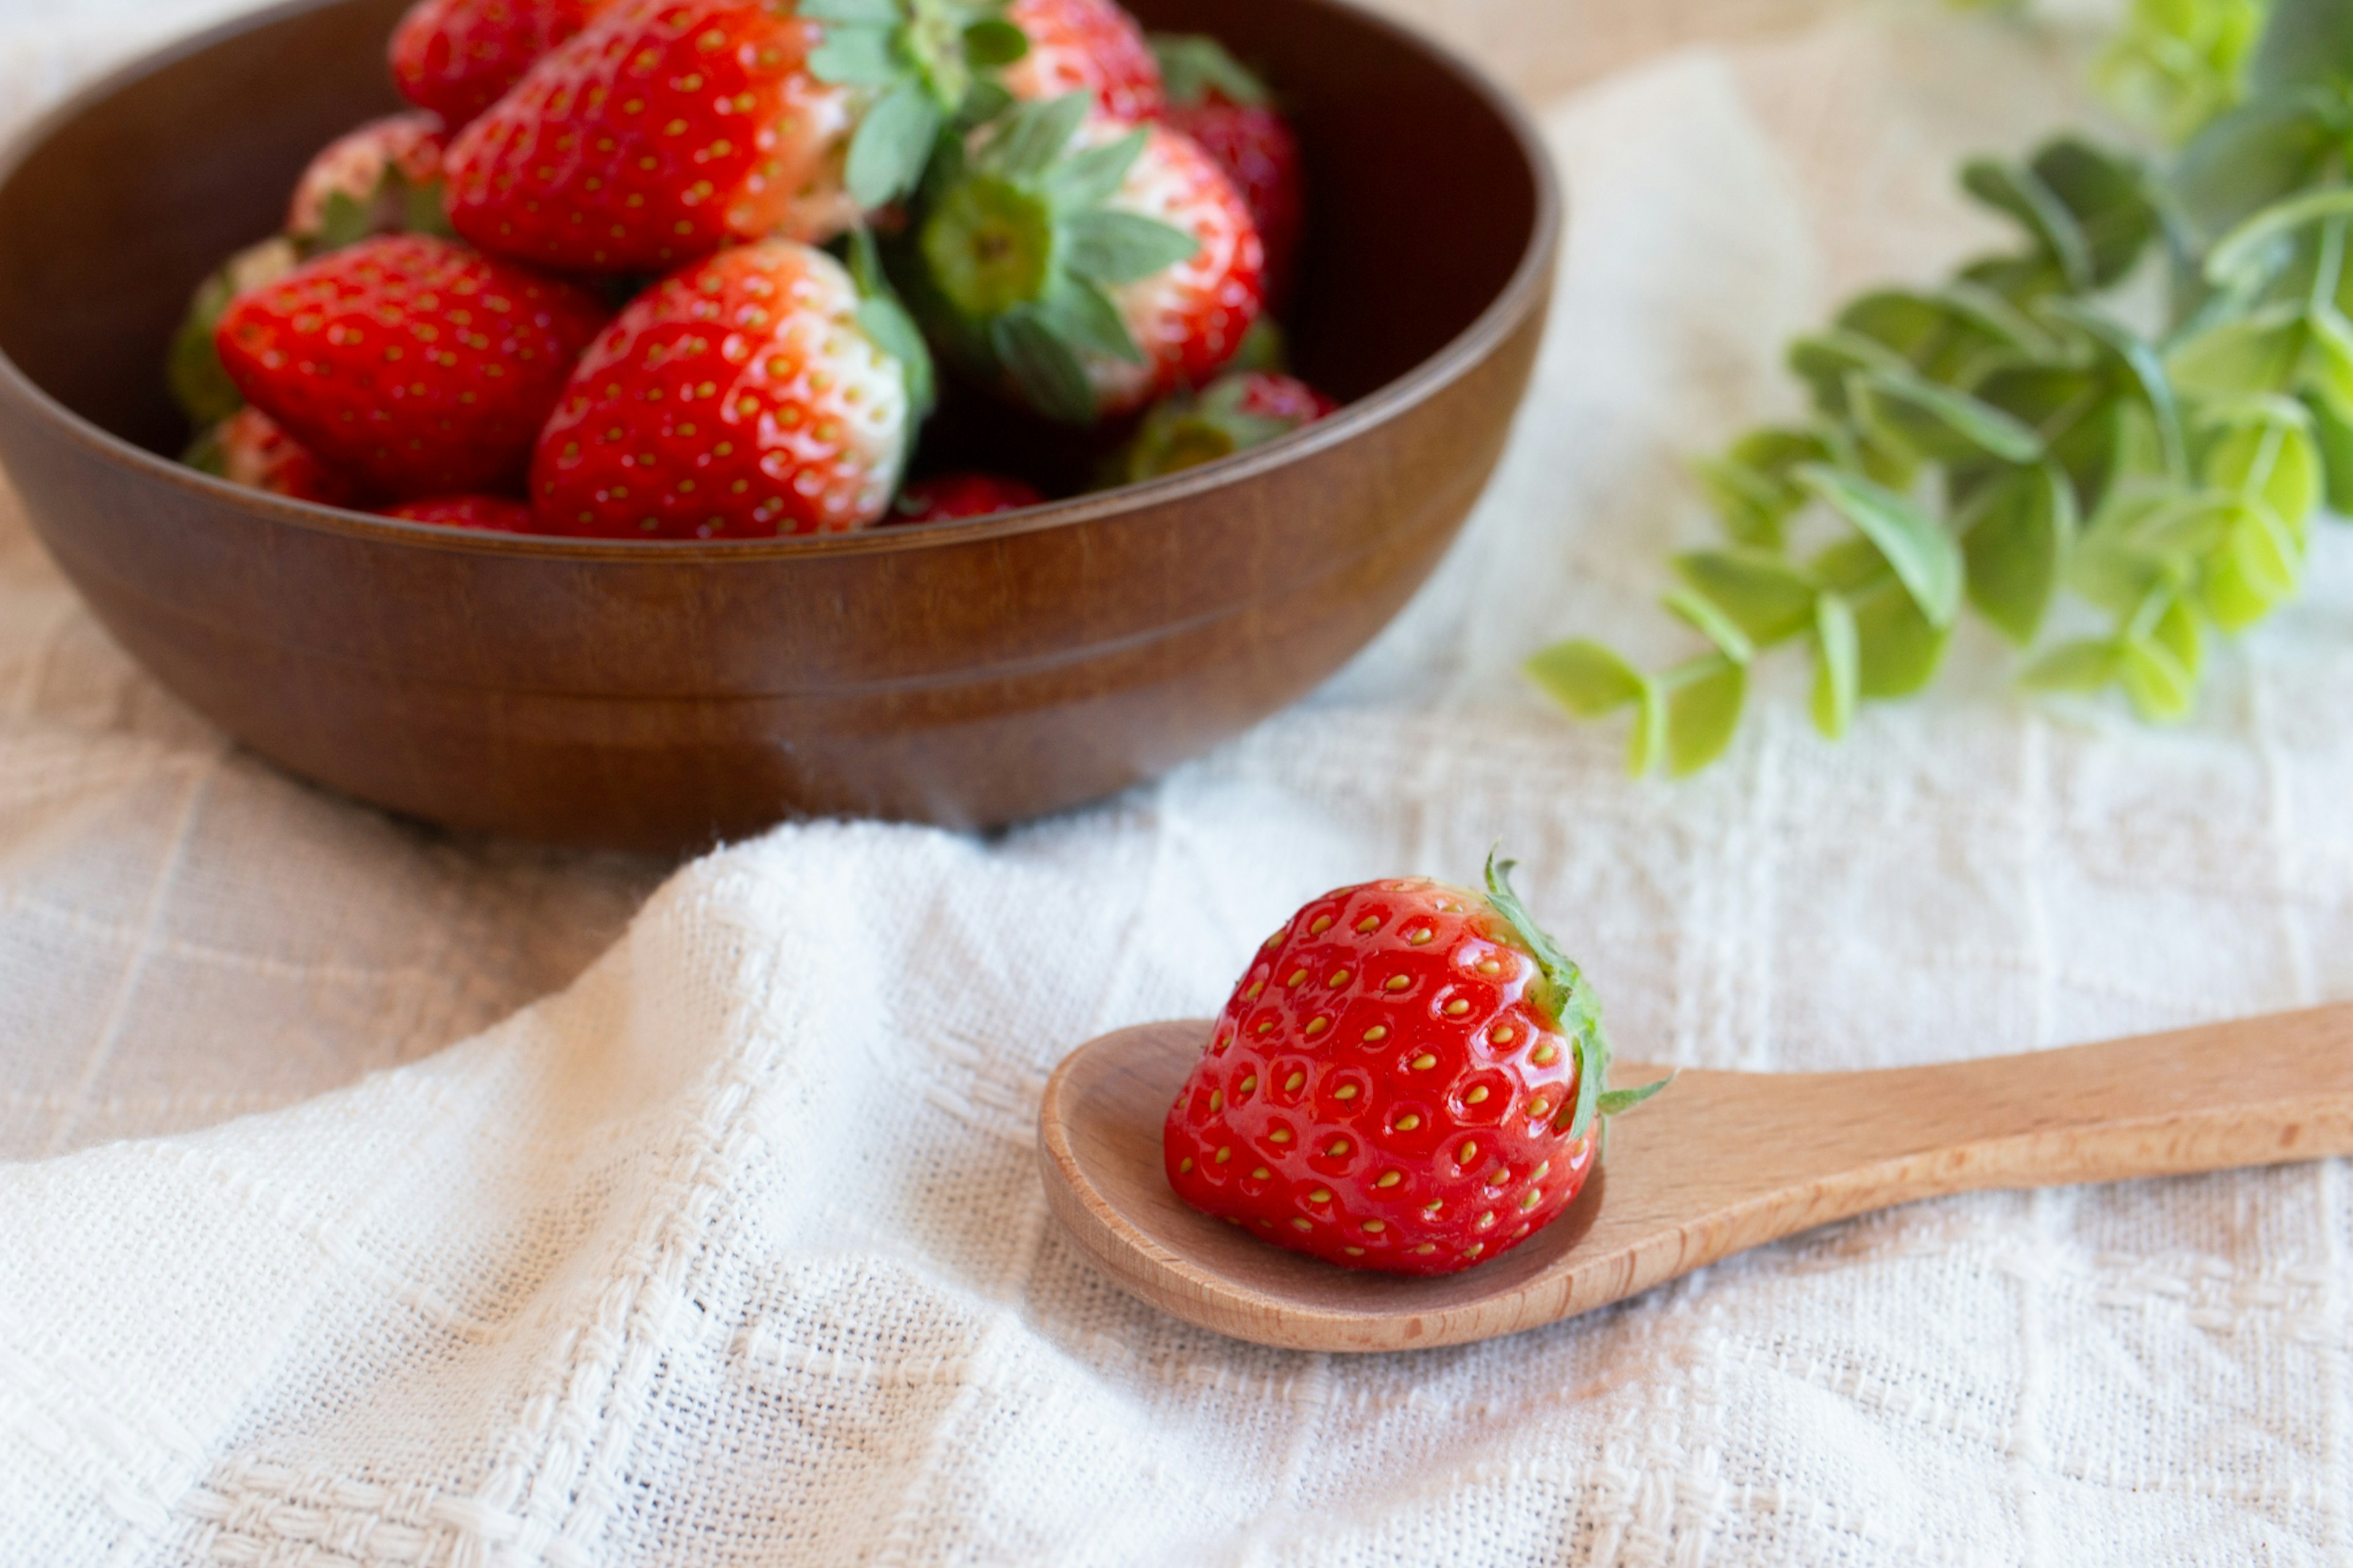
2008, 442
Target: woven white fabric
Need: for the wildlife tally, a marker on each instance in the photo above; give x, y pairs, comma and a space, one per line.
733, 1252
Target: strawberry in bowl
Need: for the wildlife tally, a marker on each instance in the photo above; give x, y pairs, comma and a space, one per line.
1408, 1078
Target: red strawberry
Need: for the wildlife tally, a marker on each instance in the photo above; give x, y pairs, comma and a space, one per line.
742, 397
456, 58
1240, 410
1408, 1079
421, 366
495, 514
952, 495
668, 129
1087, 266
1231, 113
383, 178
250, 448
1085, 46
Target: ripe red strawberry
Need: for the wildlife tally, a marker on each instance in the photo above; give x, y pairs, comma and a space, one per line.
952, 495
1408, 1079
383, 178
456, 58
666, 130
1085, 46
250, 448
746, 396
1240, 410
421, 366
495, 514
1233, 116
1085, 266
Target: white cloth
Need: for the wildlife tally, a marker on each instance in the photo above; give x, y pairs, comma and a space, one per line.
733, 1252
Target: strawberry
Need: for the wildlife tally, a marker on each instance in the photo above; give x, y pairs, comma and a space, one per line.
383, 178
421, 366
1085, 46
670, 128
193, 368
495, 514
456, 58
751, 394
250, 448
1240, 410
1085, 266
1408, 1079
1233, 117
952, 495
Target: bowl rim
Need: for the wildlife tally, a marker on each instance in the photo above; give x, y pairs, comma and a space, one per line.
1529, 279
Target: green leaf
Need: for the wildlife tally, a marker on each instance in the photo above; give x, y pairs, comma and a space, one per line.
1944, 423
857, 56
1702, 712
193, 368
1048, 375
1749, 489
2153, 675
343, 221
2107, 197
871, 12
891, 146
1032, 135
1585, 677
2015, 548
1837, 665
1899, 648
422, 210
1922, 555
1570, 998
2081, 666
1194, 66
1077, 313
2264, 552
1617, 1101
1711, 624
206, 455
1114, 248
992, 42
2254, 155
1089, 176
2259, 352
2144, 370
2332, 435
1849, 566
1650, 737
1825, 362
1758, 593
2270, 458
2021, 194
894, 332
2304, 41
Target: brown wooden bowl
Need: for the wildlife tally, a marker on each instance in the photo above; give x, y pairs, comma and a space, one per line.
664, 696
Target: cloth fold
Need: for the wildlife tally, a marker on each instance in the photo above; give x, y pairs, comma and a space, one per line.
732, 1250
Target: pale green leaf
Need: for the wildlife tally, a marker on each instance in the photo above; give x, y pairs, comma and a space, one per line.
1585, 677
1713, 624
2015, 547
1922, 555
1899, 649
857, 56
1759, 593
2083, 666
892, 142
1703, 713
1114, 248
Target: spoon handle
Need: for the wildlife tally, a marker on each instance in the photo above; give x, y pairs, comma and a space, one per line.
1794, 1151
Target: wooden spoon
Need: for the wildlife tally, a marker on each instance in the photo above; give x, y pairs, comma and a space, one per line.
1721, 1162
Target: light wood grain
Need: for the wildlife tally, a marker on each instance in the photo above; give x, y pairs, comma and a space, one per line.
1722, 1162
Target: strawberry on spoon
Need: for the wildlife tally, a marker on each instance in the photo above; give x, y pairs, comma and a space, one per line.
1409, 1078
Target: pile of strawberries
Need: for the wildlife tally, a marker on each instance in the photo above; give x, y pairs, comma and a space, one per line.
680, 269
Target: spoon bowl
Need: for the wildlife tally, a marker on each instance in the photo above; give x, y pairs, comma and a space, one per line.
1719, 1162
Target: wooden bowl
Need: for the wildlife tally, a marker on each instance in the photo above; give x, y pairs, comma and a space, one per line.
664, 696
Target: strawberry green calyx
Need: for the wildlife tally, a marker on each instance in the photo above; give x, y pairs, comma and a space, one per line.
886, 320
1195, 67
928, 62
1571, 1001
1019, 249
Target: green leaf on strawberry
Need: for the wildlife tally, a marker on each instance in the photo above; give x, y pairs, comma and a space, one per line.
926, 61
1018, 250
886, 320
